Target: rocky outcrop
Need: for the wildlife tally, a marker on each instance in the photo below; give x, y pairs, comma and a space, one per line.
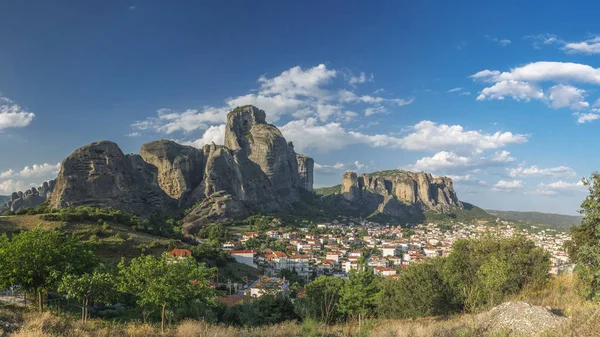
400, 193
247, 131
180, 168
30, 198
256, 170
100, 174
305, 171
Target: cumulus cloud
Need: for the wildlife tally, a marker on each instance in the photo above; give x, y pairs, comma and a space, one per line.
445, 161
33, 171
424, 136
508, 185
12, 115
430, 136
375, 110
567, 96
585, 117
299, 92
534, 171
361, 78
559, 187
517, 90
589, 46
502, 42
544, 71
215, 133
9, 186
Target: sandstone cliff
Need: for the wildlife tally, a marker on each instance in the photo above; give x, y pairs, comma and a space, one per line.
400, 193
256, 170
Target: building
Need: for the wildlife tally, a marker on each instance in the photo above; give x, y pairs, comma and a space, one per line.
244, 256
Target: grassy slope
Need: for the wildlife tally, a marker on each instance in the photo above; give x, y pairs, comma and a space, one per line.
325, 191
116, 242
555, 220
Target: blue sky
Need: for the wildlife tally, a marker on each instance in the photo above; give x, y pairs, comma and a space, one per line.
500, 96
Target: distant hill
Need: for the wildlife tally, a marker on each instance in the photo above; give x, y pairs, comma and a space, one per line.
325, 191
559, 221
4, 199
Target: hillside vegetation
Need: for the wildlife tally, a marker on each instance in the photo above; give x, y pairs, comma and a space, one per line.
325, 191
558, 221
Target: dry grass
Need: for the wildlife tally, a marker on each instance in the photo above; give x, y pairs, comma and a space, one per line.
560, 295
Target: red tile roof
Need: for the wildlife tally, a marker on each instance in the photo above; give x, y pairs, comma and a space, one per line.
181, 252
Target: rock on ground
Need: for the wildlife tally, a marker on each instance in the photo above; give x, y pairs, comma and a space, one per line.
520, 318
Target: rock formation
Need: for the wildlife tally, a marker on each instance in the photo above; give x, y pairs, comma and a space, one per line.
100, 174
248, 131
30, 198
179, 167
256, 170
400, 193
305, 170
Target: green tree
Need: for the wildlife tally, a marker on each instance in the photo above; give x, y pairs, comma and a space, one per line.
358, 296
321, 299
96, 286
165, 282
36, 260
419, 291
584, 248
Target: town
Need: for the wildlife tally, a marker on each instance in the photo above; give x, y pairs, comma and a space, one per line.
335, 248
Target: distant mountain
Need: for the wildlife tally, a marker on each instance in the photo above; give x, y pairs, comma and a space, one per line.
4, 199
559, 221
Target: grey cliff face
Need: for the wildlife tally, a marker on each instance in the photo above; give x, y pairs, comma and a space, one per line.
180, 168
248, 132
401, 192
305, 171
100, 174
256, 170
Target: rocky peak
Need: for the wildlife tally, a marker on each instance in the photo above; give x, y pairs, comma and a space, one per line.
264, 144
305, 170
417, 190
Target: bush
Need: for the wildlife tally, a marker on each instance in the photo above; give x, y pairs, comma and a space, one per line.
265, 310
419, 291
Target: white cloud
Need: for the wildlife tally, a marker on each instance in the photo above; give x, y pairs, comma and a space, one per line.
361, 78
429, 136
38, 171
376, 110
298, 92
337, 166
504, 42
467, 179
358, 165
445, 161
518, 90
9, 186
544, 71
559, 187
425, 136
534, 171
567, 96
215, 133
133, 134
586, 117
33, 171
455, 90
508, 185
589, 46
12, 115
297, 82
